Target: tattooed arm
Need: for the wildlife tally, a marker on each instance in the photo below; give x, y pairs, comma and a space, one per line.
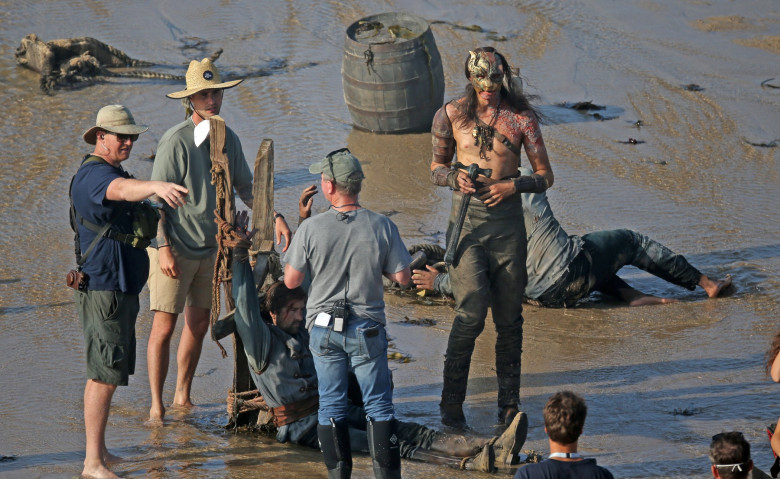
533, 143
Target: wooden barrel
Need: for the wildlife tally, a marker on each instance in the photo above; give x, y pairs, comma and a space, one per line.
392, 74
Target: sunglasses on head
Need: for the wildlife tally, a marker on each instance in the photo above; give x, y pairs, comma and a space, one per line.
736, 435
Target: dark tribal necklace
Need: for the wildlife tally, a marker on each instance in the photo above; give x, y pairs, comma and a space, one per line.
483, 133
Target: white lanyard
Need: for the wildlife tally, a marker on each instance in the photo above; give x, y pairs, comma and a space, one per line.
567, 455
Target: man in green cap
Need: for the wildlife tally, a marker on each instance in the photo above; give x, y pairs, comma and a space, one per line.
346, 251
182, 261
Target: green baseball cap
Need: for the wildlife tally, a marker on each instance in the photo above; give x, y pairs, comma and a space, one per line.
339, 165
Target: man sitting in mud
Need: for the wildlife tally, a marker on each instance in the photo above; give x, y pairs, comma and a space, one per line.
563, 269
282, 367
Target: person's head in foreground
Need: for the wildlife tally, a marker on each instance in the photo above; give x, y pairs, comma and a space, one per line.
564, 417
730, 456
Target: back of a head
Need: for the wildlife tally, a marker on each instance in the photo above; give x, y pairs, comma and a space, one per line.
564, 417
730, 454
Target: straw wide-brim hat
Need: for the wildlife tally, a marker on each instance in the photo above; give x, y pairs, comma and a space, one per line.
116, 119
202, 75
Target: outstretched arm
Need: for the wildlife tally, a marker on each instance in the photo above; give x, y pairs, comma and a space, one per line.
130, 189
251, 328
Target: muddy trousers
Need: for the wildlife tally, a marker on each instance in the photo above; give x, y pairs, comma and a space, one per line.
488, 271
604, 254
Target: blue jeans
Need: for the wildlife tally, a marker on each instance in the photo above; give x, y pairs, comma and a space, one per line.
362, 348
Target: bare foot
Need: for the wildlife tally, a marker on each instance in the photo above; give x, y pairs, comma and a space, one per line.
714, 287
98, 472
634, 297
156, 416
187, 404
111, 458
648, 300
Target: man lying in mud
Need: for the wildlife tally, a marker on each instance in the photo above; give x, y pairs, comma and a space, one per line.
282, 367
563, 269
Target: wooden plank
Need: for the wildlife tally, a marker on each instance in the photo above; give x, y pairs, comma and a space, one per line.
263, 192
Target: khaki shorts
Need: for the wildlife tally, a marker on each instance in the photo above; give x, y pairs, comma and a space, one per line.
191, 288
108, 321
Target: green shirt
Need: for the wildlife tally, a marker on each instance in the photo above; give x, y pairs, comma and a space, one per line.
191, 228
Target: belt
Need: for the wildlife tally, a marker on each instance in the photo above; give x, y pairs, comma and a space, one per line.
294, 411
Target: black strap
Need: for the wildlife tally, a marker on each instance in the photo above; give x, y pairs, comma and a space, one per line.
100, 234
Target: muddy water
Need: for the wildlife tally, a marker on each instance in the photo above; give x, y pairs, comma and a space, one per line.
696, 184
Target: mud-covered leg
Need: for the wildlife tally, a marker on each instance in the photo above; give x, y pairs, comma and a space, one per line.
470, 288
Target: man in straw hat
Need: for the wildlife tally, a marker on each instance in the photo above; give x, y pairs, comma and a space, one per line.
182, 261
108, 301
346, 251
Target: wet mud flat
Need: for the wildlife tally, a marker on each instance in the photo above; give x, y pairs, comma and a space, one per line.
701, 177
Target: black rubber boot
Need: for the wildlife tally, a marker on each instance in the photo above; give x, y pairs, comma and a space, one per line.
336, 451
383, 444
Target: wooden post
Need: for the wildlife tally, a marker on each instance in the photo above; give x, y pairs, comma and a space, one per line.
263, 210
263, 192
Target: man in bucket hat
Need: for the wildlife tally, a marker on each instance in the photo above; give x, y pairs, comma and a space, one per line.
108, 301
182, 260
346, 251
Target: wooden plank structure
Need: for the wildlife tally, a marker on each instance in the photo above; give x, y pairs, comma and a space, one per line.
245, 406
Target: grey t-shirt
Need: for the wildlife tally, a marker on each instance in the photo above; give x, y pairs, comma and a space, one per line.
346, 255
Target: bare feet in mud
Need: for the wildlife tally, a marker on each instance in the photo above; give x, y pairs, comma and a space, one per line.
98, 472
635, 297
156, 416
182, 405
111, 458
714, 287
648, 300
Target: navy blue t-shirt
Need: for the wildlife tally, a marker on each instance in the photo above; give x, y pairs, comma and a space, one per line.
111, 265
553, 469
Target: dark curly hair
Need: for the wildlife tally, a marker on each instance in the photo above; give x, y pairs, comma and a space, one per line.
564, 417
278, 296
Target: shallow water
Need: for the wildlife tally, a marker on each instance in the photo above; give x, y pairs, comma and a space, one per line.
696, 184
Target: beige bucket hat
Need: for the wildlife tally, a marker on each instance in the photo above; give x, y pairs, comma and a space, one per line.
202, 75
116, 119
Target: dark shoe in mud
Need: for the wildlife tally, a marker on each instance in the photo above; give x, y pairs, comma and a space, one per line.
452, 416
508, 444
507, 414
418, 260
485, 461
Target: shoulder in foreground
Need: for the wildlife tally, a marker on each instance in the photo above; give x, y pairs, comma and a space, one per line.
175, 129
524, 114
